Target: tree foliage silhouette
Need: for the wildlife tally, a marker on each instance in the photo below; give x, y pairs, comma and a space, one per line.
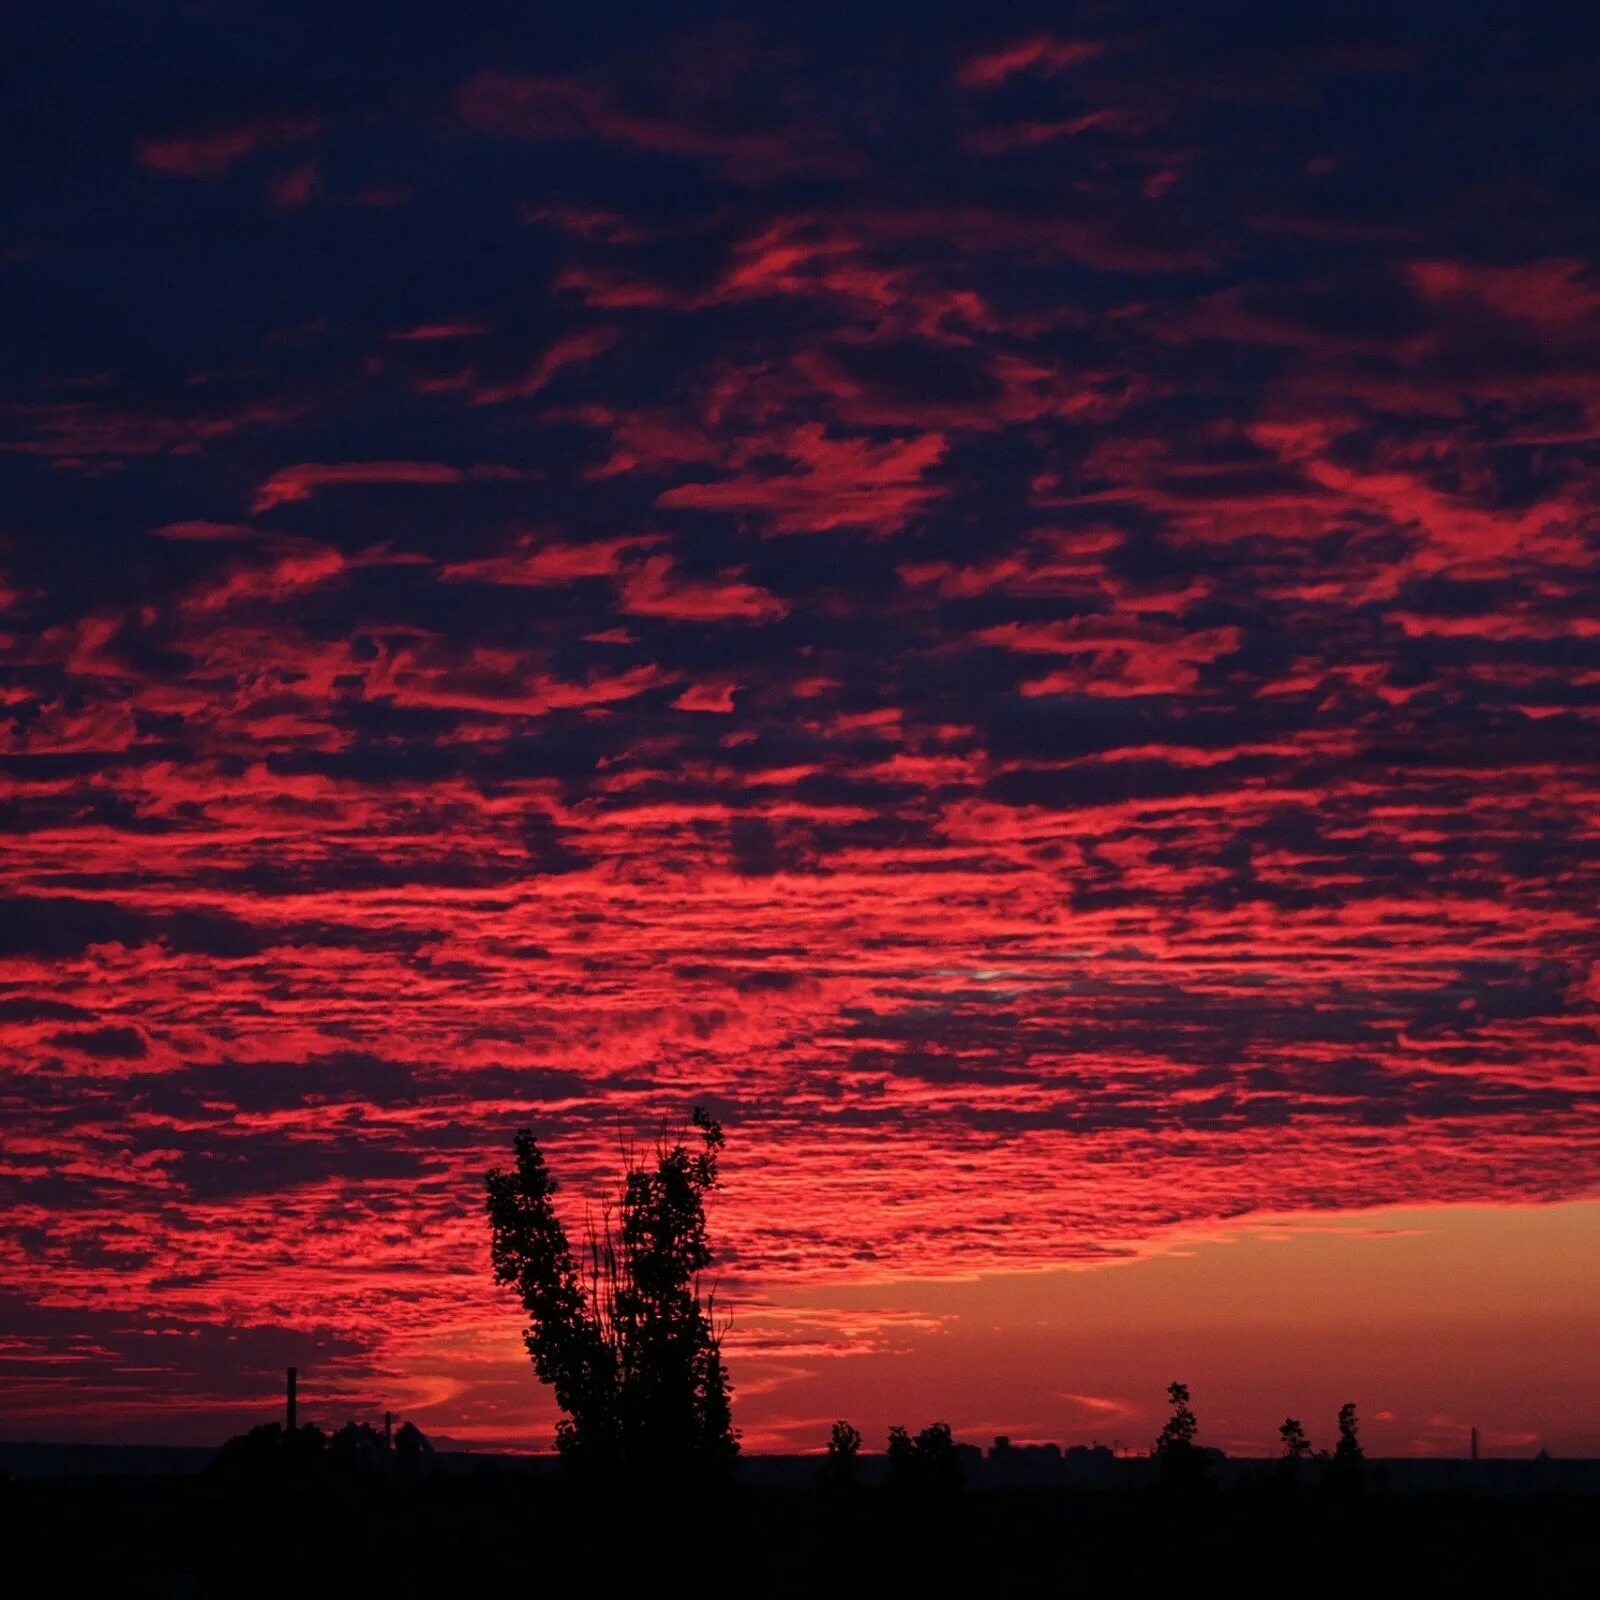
1347, 1467
926, 1466
413, 1452
271, 1452
621, 1332
1348, 1448
1296, 1446
359, 1447
841, 1467
1182, 1461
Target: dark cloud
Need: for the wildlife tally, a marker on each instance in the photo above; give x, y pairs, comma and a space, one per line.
105, 1044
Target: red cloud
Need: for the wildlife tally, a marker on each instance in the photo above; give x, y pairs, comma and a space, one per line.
1561, 290
747, 141
298, 186
302, 480
822, 482
1121, 656
653, 589
434, 332
209, 154
1041, 53
572, 350
541, 562
716, 697
201, 530
288, 571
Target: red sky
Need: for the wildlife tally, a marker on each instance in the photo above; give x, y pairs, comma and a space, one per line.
1013, 609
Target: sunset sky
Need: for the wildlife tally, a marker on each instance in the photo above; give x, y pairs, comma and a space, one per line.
1005, 596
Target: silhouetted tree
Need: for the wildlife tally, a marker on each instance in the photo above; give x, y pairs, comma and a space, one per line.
271, 1452
841, 1468
1349, 1445
358, 1447
1177, 1432
1296, 1447
1182, 1461
926, 1466
413, 1453
1347, 1468
622, 1334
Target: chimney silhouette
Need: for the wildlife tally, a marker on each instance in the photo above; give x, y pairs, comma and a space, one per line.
289, 1409
1474, 1444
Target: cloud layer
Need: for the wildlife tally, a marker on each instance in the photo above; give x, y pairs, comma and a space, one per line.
1015, 611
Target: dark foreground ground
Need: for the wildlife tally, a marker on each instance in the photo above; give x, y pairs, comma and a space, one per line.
506, 1534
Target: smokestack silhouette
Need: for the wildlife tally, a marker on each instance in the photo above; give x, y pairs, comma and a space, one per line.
294, 1374
1474, 1444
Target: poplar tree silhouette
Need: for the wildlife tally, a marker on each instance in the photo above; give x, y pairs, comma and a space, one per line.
621, 1331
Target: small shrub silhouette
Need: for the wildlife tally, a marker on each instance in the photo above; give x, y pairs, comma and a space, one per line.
622, 1334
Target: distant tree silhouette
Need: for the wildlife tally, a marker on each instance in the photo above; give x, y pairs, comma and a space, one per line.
841, 1468
413, 1454
1182, 1461
927, 1466
1177, 1433
1349, 1445
357, 1447
271, 1451
1296, 1447
623, 1335
1347, 1467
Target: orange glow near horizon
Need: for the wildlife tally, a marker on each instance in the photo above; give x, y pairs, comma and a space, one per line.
1433, 1319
